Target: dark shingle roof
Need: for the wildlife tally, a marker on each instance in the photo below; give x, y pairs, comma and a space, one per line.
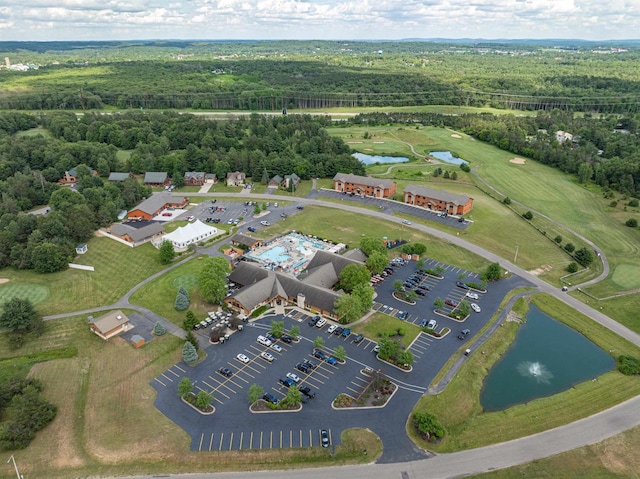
437, 194
244, 240
136, 234
196, 175
118, 176
155, 177
363, 180
155, 202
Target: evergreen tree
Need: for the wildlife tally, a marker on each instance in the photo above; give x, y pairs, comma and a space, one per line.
189, 353
159, 329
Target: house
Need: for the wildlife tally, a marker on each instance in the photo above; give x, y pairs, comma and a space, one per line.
110, 324
154, 205
290, 181
119, 177
156, 178
563, 136
236, 178
437, 200
194, 178
245, 242
275, 182
210, 178
364, 185
70, 176
135, 236
191, 233
81, 248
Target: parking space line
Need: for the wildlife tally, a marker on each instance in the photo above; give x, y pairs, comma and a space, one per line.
270, 439
300, 437
260, 439
211, 441
167, 377
353, 390
314, 379
231, 441
221, 438
280, 439
178, 367
160, 382
241, 379
310, 438
241, 438
174, 373
201, 438
290, 438
251, 440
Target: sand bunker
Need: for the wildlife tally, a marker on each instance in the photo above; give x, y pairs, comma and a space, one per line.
352, 142
379, 142
4, 280
368, 149
455, 135
518, 161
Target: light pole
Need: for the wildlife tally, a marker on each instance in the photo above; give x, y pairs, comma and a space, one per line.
20, 476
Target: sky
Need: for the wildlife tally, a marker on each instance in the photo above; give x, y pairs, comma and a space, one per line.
50, 20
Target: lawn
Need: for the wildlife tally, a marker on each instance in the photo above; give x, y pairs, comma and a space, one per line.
378, 324
118, 268
458, 407
34, 132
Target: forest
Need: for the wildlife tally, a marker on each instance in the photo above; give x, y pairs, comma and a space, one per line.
301, 75
31, 165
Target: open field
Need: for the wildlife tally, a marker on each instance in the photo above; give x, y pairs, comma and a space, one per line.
379, 323
118, 268
458, 407
35, 132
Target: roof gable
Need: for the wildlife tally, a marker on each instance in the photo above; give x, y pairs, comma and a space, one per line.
155, 177
437, 194
363, 180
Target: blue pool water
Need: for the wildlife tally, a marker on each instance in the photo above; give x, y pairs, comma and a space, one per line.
447, 157
276, 255
371, 159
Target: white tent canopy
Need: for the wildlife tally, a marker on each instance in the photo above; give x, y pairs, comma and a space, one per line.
192, 233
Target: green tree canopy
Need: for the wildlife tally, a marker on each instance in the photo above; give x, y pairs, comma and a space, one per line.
167, 252
368, 245
277, 328
189, 353
376, 262
428, 425
185, 386
493, 272
19, 315
212, 279
255, 392
49, 258
353, 275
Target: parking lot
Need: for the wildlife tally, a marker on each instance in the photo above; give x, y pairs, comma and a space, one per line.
233, 426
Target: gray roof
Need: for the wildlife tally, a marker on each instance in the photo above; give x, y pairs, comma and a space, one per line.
355, 254
276, 179
293, 177
338, 261
118, 176
437, 194
198, 175
155, 177
244, 240
136, 234
156, 201
363, 180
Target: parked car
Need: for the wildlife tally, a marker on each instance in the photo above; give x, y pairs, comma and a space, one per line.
313, 321
286, 339
471, 295
270, 398
321, 322
406, 222
306, 390
319, 354
475, 307
332, 328
376, 348
402, 315
252, 229
286, 382
448, 302
267, 356
332, 361
311, 364
338, 331
324, 437
432, 324
243, 358
464, 333
265, 223
423, 323
299, 207
358, 338
462, 285
167, 214
420, 292
226, 372
276, 347
303, 368
294, 377
264, 341
346, 333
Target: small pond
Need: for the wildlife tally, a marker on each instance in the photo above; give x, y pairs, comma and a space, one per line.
546, 358
372, 159
447, 157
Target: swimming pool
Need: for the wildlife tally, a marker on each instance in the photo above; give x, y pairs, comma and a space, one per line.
277, 254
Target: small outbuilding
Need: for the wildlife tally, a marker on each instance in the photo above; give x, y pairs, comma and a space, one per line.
81, 248
137, 341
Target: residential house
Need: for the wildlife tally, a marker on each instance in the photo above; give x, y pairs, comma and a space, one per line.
154, 205
210, 178
110, 324
194, 178
156, 178
563, 136
236, 178
437, 200
119, 177
364, 185
70, 176
290, 182
275, 182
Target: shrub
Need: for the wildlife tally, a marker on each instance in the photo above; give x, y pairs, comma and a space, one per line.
464, 167
159, 329
528, 215
613, 204
584, 256
572, 267
629, 365
631, 223
507, 200
428, 425
558, 239
569, 247
633, 203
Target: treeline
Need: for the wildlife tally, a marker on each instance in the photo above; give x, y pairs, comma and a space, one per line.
604, 150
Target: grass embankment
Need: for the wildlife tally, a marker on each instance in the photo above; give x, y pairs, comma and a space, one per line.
379, 323
118, 268
459, 409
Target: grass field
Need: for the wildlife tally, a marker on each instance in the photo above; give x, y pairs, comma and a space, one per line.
458, 407
36, 293
379, 323
34, 132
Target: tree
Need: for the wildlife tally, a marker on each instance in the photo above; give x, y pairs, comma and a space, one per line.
277, 328
364, 292
493, 272
318, 342
405, 357
19, 316
569, 247
585, 172
414, 248
49, 258
159, 329
167, 252
368, 245
631, 223
190, 321
340, 353
294, 396
388, 348
428, 425
398, 286
376, 262
454, 175
420, 264
558, 239
353, 275
506, 200
528, 215
203, 399
294, 332
440, 269
192, 339
446, 174
584, 256
439, 303
212, 279
462, 275
181, 302
464, 309
189, 353
572, 267
255, 393
185, 386
256, 209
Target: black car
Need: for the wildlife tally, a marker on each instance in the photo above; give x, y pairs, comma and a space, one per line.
319, 354
286, 382
464, 333
252, 229
338, 331
225, 372
302, 367
270, 398
313, 321
300, 207
423, 287
420, 292
213, 200
324, 436
310, 363
286, 339
358, 338
462, 285
306, 390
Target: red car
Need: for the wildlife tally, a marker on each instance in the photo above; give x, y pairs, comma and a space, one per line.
448, 302
167, 214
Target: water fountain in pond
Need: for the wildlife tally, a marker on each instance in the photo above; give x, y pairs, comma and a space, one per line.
536, 371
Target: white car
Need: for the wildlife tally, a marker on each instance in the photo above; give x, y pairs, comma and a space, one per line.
275, 204
475, 307
321, 322
332, 328
431, 324
472, 295
243, 358
293, 377
406, 222
276, 347
268, 356
265, 223
264, 341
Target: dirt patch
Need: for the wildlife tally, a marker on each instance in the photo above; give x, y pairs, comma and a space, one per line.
4, 280
368, 149
455, 135
515, 317
545, 268
517, 161
379, 142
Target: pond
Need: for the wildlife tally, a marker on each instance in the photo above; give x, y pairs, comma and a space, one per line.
546, 358
372, 159
447, 157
